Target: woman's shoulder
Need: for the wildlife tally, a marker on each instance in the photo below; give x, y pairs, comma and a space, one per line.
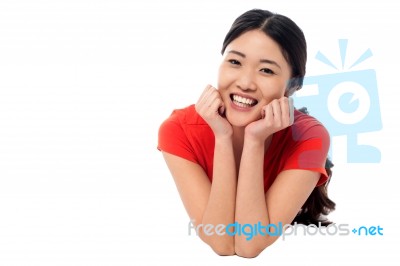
306, 126
186, 116
185, 134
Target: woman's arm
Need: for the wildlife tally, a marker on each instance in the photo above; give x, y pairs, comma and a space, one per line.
209, 203
220, 208
280, 204
206, 202
284, 198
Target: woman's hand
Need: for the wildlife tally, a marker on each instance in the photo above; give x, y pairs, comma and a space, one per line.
275, 116
211, 108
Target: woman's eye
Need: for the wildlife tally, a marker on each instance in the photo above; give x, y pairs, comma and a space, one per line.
234, 62
267, 71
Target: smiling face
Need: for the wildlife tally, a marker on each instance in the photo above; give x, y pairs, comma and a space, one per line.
252, 74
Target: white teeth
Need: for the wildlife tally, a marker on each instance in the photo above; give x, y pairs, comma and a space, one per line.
243, 101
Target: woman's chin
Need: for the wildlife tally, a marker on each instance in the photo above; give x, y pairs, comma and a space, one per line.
239, 122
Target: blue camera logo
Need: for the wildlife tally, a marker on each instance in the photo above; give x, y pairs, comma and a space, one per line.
347, 103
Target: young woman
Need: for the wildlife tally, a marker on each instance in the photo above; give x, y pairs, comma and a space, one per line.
241, 153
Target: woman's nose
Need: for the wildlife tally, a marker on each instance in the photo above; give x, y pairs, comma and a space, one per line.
246, 80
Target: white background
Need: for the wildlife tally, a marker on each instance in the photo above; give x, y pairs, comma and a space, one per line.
84, 86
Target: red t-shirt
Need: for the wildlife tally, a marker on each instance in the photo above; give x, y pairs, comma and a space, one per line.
304, 145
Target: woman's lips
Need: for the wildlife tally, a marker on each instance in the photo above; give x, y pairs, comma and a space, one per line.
241, 102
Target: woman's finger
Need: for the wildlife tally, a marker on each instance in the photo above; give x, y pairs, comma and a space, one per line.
214, 105
291, 111
268, 114
277, 112
203, 102
284, 102
206, 94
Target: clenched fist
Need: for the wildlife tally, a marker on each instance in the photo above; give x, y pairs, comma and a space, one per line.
211, 108
275, 116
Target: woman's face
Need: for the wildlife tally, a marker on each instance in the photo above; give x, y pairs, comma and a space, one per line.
252, 74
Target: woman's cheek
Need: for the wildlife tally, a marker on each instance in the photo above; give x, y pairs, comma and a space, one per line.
273, 91
226, 77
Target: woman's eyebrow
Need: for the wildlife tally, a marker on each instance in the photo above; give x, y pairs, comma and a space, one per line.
267, 61
270, 62
237, 53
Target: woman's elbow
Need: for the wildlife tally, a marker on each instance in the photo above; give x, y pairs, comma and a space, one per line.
223, 247
249, 251
225, 250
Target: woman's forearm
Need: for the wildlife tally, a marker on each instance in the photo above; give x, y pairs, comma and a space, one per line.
220, 208
250, 200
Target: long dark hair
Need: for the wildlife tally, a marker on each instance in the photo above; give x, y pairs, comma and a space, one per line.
318, 205
293, 45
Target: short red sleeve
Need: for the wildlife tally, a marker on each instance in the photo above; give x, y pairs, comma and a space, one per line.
172, 138
310, 151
